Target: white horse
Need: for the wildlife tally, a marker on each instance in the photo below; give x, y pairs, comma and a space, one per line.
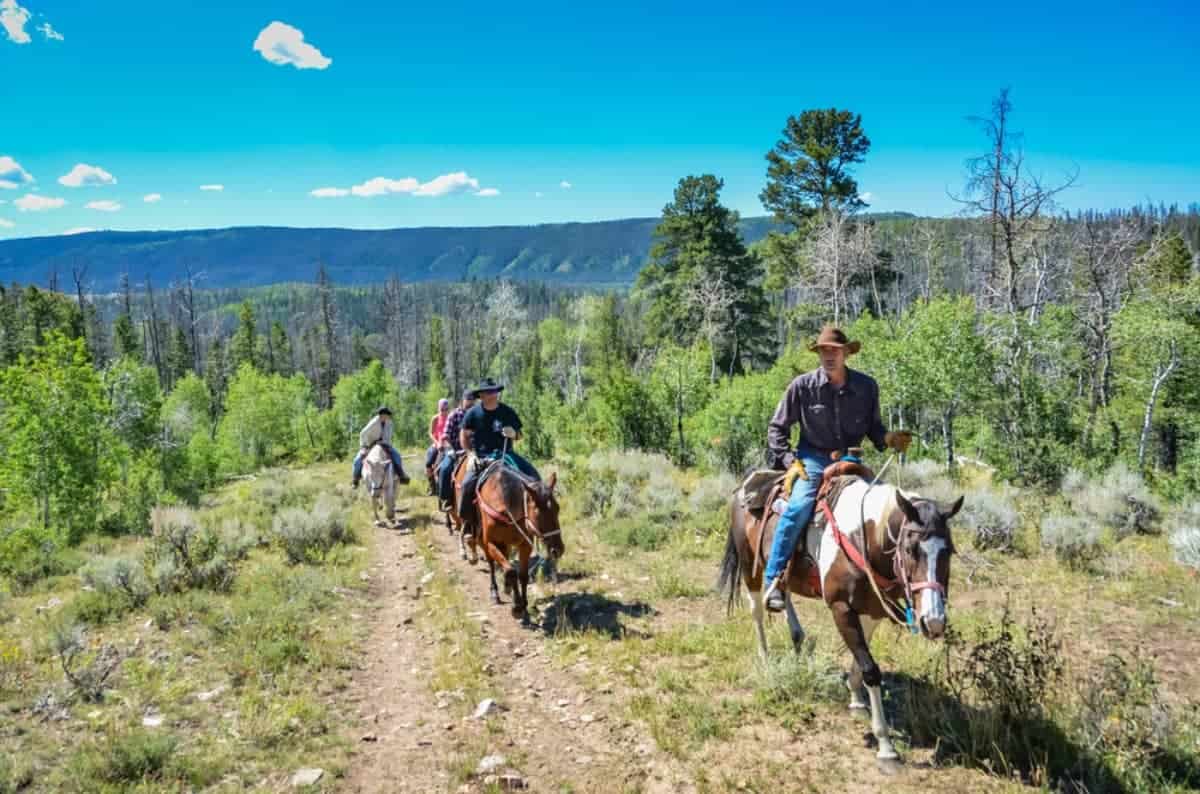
381, 482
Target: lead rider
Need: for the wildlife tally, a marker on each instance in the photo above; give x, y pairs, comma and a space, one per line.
377, 431
835, 407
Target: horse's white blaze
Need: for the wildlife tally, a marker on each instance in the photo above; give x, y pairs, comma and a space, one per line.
933, 607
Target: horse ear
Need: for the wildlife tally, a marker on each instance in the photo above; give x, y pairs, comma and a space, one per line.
910, 512
550, 483
954, 508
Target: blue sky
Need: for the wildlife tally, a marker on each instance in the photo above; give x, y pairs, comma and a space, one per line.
617, 100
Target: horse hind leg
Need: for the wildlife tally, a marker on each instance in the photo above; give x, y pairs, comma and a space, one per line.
794, 627
493, 590
757, 612
854, 680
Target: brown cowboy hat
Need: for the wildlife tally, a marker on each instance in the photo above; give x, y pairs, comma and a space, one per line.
835, 337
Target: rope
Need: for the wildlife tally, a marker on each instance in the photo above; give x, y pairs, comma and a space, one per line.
892, 610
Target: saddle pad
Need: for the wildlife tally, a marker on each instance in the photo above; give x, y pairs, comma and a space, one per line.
757, 487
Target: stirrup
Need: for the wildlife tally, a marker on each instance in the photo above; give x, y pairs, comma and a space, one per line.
772, 590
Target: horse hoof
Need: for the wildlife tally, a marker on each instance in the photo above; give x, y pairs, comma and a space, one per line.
496, 599
890, 765
519, 613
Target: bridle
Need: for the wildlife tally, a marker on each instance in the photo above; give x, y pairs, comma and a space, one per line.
524, 523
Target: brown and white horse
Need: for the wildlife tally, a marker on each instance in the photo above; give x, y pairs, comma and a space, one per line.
907, 552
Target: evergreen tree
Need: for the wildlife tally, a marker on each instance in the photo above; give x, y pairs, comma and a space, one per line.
179, 356
125, 337
216, 376
701, 281
281, 350
437, 349
242, 346
809, 169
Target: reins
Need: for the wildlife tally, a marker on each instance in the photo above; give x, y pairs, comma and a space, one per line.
525, 520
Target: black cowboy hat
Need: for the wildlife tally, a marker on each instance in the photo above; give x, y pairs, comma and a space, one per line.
489, 384
383, 409
835, 337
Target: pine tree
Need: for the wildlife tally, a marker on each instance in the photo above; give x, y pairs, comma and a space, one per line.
809, 169
281, 350
125, 337
242, 346
179, 356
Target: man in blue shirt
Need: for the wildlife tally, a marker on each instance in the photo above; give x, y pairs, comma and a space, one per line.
489, 430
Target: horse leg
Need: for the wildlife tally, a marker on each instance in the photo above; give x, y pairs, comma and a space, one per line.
851, 628
855, 680
497, 556
794, 627
756, 611
495, 592
521, 600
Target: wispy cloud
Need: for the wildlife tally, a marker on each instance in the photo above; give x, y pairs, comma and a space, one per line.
283, 44
212, 187
84, 175
32, 202
381, 185
104, 206
49, 32
6, 223
329, 192
13, 17
12, 175
446, 184
488, 192
565, 185
152, 198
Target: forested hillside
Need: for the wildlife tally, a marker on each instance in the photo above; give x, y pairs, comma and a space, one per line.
604, 252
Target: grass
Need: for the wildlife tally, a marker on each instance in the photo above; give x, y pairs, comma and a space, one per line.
244, 677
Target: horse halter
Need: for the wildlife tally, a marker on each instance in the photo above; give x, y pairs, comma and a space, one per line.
522, 524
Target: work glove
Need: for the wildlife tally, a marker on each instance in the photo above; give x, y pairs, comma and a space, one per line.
795, 472
898, 440
509, 433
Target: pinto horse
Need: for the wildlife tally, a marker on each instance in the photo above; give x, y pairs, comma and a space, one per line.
516, 511
907, 552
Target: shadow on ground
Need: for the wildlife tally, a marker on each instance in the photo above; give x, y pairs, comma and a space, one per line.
591, 612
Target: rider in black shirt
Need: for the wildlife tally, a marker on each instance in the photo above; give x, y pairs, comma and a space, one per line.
486, 428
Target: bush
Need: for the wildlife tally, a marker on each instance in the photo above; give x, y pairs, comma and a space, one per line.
29, 554
87, 672
308, 535
1119, 501
118, 575
1185, 536
993, 518
182, 555
129, 759
1075, 540
638, 533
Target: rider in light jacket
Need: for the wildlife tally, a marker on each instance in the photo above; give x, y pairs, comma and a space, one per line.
377, 431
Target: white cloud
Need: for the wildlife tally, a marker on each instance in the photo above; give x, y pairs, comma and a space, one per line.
381, 185
49, 32
212, 187
538, 194
31, 202
104, 206
6, 223
565, 185
12, 175
78, 230
282, 44
867, 197
446, 184
13, 17
152, 198
488, 192
84, 175
329, 192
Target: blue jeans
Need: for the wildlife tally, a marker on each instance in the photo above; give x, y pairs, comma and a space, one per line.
798, 512
444, 473
362, 453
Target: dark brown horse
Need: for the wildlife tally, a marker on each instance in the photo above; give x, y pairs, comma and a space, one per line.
454, 522
907, 554
515, 512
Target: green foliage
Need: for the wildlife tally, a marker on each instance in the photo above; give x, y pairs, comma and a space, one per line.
183, 555
125, 338
127, 759
809, 169
1077, 541
263, 419
307, 535
54, 426
626, 415
357, 396
30, 553
1119, 501
242, 345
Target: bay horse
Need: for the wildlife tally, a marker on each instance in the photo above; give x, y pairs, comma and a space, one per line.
467, 545
907, 553
381, 482
516, 511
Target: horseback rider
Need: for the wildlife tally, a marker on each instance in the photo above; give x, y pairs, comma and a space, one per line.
489, 430
378, 431
453, 445
835, 407
437, 425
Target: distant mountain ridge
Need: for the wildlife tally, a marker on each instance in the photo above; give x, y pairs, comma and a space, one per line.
600, 252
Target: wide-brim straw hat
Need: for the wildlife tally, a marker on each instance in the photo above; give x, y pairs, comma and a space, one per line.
835, 337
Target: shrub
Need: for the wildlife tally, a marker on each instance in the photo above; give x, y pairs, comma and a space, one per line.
29, 554
118, 575
631, 532
992, 516
87, 672
1075, 540
1185, 537
307, 535
129, 759
1120, 500
182, 555
789, 682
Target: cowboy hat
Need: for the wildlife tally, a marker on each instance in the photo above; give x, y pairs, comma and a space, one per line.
384, 410
488, 384
834, 337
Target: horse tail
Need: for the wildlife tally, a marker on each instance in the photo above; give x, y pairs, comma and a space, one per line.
730, 576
